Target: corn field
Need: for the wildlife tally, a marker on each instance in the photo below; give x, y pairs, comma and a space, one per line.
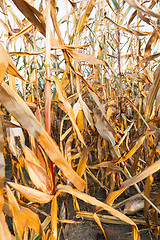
79, 95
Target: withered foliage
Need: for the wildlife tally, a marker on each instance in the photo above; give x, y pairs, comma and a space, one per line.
79, 114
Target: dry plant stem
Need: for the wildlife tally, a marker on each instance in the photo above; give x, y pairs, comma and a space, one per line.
119, 62
48, 84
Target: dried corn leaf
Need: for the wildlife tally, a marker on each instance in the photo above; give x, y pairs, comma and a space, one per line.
6, 63
54, 218
137, 178
31, 194
39, 177
17, 107
84, 18
103, 131
136, 146
86, 112
149, 43
96, 218
94, 201
31, 220
2, 166
153, 92
135, 4
80, 57
4, 231
137, 33
19, 221
68, 107
131, 207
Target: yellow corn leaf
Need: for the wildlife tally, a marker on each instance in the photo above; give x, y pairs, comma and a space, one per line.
136, 146
108, 165
68, 107
96, 218
4, 231
31, 220
83, 20
31, 194
6, 63
88, 199
19, 221
39, 177
18, 108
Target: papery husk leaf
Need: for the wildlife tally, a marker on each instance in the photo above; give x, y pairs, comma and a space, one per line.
31, 194
17, 107
39, 177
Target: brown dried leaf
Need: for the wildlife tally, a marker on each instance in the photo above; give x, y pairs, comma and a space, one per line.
17, 107
153, 92
88, 199
137, 178
84, 18
135, 148
68, 107
135, 4
19, 221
